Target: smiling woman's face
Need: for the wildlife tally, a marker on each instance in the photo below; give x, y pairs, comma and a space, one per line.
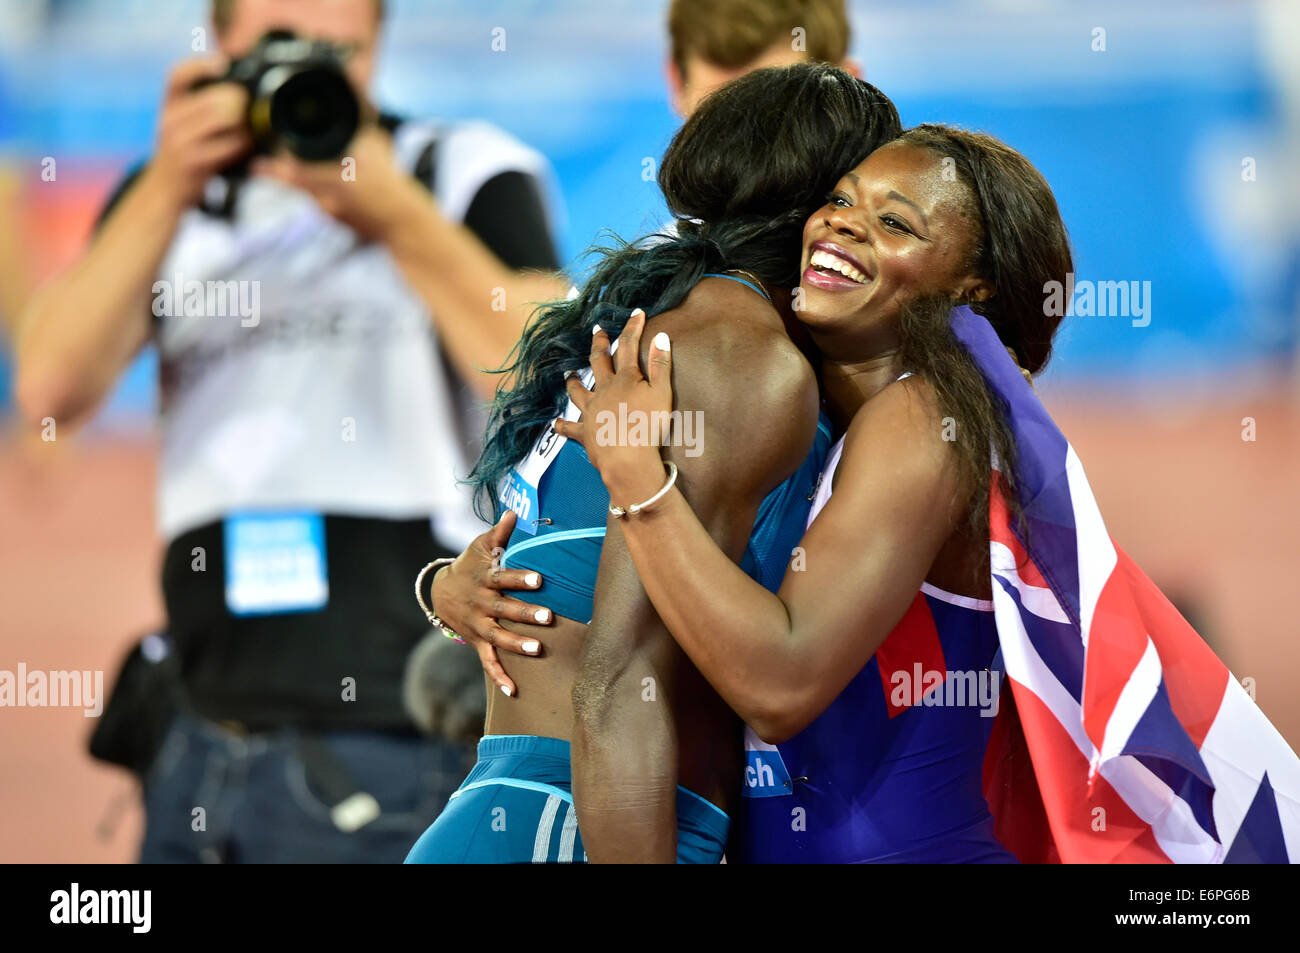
894, 228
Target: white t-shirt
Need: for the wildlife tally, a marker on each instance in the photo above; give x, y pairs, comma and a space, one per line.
315, 381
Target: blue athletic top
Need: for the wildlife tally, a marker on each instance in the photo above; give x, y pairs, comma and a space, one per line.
892, 771
561, 527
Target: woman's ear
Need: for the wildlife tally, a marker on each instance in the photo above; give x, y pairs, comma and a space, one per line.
974, 290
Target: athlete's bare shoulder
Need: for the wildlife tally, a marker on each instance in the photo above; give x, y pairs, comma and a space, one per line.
897, 444
728, 333
735, 364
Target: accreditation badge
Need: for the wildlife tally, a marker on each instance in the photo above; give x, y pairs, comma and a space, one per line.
275, 563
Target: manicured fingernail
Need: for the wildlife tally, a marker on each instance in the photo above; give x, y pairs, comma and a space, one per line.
661, 342
636, 312
532, 579
505, 690
569, 373
542, 615
595, 329
531, 648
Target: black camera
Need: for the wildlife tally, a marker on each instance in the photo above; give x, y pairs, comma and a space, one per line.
298, 96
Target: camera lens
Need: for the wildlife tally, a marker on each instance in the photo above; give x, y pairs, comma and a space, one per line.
315, 113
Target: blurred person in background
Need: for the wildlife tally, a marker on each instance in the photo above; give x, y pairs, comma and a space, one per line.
712, 42
311, 439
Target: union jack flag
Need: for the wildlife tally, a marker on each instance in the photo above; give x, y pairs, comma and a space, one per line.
1126, 739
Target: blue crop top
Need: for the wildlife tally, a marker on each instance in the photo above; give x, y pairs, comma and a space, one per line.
566, 550
561, 527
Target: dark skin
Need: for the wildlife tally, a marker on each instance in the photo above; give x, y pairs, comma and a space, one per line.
640, 717
780, 659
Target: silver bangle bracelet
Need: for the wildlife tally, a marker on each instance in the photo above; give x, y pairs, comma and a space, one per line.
635, 508
419, 597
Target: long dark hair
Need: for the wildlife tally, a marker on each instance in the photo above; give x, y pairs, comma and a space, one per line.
741, 176
1021, 244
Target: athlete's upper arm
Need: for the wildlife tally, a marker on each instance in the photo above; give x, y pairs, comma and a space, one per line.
897, 498
748, 400
748, 405
752, 405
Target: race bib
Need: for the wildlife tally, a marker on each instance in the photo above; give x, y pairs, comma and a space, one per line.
519, 487
765, 772
275, 562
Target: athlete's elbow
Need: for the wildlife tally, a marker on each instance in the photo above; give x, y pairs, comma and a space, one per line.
768, 730
777, 717
776, 729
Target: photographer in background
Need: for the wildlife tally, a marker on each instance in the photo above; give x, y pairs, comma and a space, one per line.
312, 320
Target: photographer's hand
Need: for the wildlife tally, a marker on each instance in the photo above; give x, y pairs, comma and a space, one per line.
460, 280
364, 189
200, 131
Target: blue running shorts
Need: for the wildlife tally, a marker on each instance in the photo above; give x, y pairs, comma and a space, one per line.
516, 807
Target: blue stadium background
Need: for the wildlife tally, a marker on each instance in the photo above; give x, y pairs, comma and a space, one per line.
1143, 142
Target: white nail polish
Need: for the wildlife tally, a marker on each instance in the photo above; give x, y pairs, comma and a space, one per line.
661, 341
505, 690
532, 579
595, 329
532, 648
542, 615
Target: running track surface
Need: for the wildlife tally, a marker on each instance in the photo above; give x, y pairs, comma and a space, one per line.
1213, 519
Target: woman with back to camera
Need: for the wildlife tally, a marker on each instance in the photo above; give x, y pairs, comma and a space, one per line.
742, 176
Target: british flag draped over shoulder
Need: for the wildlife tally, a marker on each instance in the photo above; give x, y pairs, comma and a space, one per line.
1127, 739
